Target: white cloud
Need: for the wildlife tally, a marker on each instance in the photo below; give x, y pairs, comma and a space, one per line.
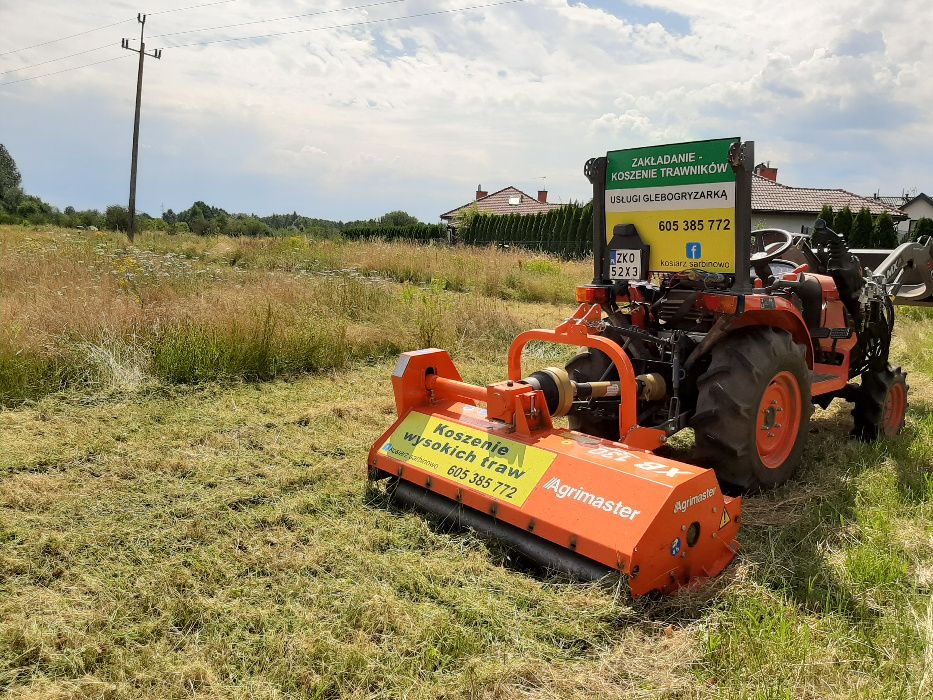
421, 110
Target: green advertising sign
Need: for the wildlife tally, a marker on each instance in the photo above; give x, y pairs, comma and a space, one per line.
681, 200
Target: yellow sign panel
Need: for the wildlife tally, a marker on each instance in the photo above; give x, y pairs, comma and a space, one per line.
684, 239
478, 460
725, 520
681, 198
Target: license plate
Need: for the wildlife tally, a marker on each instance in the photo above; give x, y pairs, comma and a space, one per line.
625, 265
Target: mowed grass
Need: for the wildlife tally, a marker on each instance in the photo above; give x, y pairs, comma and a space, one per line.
174, 537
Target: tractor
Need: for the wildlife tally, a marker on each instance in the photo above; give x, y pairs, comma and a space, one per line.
691, 320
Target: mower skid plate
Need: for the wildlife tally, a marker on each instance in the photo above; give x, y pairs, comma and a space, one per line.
660, 522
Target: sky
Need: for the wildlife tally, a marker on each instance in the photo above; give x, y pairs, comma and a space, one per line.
349, 122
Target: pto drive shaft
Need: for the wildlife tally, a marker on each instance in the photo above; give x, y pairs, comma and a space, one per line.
560, 391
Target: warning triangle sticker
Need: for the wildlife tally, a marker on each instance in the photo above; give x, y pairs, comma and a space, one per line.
725, 519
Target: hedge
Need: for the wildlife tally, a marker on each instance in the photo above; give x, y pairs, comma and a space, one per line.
566, 231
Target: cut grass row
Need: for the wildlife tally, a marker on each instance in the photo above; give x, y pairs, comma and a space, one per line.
220, 541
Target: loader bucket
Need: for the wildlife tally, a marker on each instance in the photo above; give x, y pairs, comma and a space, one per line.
569, 501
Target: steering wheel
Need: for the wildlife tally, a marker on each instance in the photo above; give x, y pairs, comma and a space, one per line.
765, 254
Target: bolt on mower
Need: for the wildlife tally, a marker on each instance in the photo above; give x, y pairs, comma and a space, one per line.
691, 320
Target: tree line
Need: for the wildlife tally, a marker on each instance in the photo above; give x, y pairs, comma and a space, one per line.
17, 207
862, 230
565, 231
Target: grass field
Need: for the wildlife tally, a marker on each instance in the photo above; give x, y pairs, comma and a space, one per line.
184, 513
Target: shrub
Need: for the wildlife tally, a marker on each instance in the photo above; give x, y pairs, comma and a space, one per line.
862, 230
842, 222
116, 218
564, 231
923, 227
411, 232
884, 234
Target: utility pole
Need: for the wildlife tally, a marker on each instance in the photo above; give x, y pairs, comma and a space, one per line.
157, 54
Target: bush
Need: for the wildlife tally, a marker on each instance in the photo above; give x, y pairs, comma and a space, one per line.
116, 218
149, 224
862, 230
398, 218
826, 214
414, 232
842, 222
90, 217
565, 231
885, 233
31, 206
923, 227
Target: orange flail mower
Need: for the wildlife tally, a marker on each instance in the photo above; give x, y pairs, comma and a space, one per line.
684, 325
572, 502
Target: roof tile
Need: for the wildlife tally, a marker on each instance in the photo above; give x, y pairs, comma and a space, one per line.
498, 203
770, 196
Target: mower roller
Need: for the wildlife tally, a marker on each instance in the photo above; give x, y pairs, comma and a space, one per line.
738, 345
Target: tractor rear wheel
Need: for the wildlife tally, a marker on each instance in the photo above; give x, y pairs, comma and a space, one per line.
753, 408
880, 404
589, 366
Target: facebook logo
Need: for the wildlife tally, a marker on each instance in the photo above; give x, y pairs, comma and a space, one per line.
694, 251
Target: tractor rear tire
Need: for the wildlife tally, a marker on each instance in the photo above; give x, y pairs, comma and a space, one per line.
591, 365
880, 404
753, 408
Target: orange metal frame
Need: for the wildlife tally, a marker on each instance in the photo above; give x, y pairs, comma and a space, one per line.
582, 329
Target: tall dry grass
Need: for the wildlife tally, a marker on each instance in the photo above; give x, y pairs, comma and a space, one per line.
85, 309
506, 274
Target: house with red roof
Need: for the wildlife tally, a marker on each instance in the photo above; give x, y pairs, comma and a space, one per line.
508, 200
774, 205
794, 209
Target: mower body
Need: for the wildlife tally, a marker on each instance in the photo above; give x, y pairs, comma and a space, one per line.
574, 503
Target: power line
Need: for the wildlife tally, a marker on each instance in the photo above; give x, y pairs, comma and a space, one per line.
64, 70
345, 26
278, 19
56, 60
108, 26
70, 36
276, 34
191, 7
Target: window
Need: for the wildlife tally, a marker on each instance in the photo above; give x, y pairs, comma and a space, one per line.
515, 201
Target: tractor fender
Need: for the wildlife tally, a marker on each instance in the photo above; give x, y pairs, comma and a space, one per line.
776, 313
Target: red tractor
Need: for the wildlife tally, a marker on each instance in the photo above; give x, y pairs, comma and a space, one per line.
743, 357
685, 324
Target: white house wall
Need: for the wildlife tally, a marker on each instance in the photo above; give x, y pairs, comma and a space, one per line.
788, 222
919, 210
915, 210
